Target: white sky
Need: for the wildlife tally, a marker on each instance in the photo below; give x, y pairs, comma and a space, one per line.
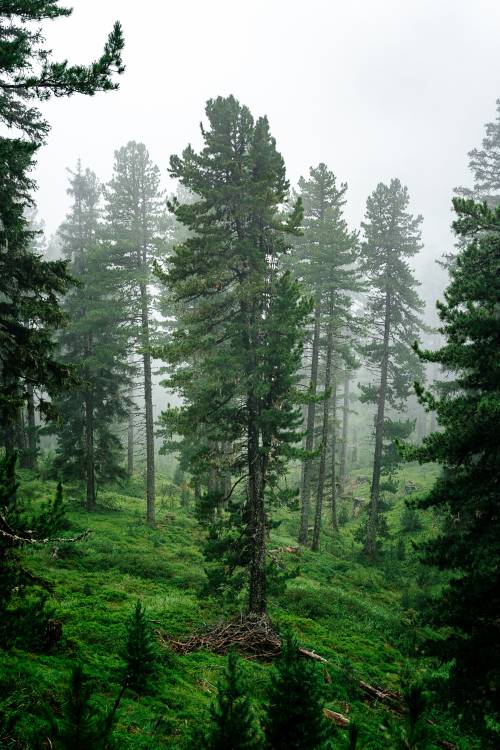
374, 88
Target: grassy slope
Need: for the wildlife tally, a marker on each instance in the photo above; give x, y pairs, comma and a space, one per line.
351, 614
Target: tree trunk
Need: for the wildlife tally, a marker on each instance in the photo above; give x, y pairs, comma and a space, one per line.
311, 415
371, 532
130, 441
32, 431
333, 502
324, 439
148, 401
345, 430
89, 452
22, 439
257, 599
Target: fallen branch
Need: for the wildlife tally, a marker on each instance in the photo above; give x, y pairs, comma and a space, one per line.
338, 719
291, 550
312, 655
28, 537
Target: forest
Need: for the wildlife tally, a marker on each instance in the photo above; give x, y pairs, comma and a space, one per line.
249, 455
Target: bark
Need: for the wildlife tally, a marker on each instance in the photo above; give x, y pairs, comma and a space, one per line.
257, 599
311, 416
371, 532
148, 401
89, 451
345, 430
324, 439
130, 441
32, 432
333, 501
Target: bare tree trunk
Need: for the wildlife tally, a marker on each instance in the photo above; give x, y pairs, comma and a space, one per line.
32, 431
324, 439
345, 430
370, 547
148, 401
311, 416
22, 439
333, 500
130, 441
257, 598
89, 452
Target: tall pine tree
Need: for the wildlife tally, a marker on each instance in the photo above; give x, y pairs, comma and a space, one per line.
392, 236
236, 349
467, 447
29, 287
95, 341
324, 259
135, 209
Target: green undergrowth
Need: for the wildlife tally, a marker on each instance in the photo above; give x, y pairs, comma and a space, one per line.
359, 617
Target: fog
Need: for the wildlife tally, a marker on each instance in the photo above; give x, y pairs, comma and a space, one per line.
374, 89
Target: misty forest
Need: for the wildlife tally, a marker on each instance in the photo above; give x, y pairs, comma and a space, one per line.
249, 463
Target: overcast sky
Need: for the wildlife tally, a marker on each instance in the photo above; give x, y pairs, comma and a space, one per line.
375, 88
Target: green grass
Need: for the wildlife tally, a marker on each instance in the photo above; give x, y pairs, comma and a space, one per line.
352, 614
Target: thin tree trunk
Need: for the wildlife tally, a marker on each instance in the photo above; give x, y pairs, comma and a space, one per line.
130, 441
148, 401
311, 415
345, 430
32, 432
89, 452
371, 532
257, 599
324, 439
333, 496
22, 439
354, 452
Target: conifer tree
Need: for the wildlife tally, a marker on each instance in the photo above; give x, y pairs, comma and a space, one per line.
140, 651
95, 342
29, 287
233, 725
324, 260
295, 708
135, 210
392, 236
484, 163
466, 446
236, 349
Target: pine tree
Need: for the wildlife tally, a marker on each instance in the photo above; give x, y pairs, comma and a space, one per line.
233, 725
95, 342
29, 287
484, 163
324, 259
140, 651
29, 73
392, 236
466, 493
135, 211
236, 349
295, 712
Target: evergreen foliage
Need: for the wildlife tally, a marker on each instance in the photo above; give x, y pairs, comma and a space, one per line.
140, 651
466, 493
324, 260
236, 349
295, 713
392, 236
484, 163
135, 224
94, 344
233, 725
413, 733
30, 287
29, 73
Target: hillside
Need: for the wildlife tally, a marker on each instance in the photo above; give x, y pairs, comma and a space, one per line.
359, 618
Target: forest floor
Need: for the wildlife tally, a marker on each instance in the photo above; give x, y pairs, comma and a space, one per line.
358, 617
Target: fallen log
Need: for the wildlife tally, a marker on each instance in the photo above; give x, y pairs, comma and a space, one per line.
312, 655
338, 719
290, 550
378, 694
